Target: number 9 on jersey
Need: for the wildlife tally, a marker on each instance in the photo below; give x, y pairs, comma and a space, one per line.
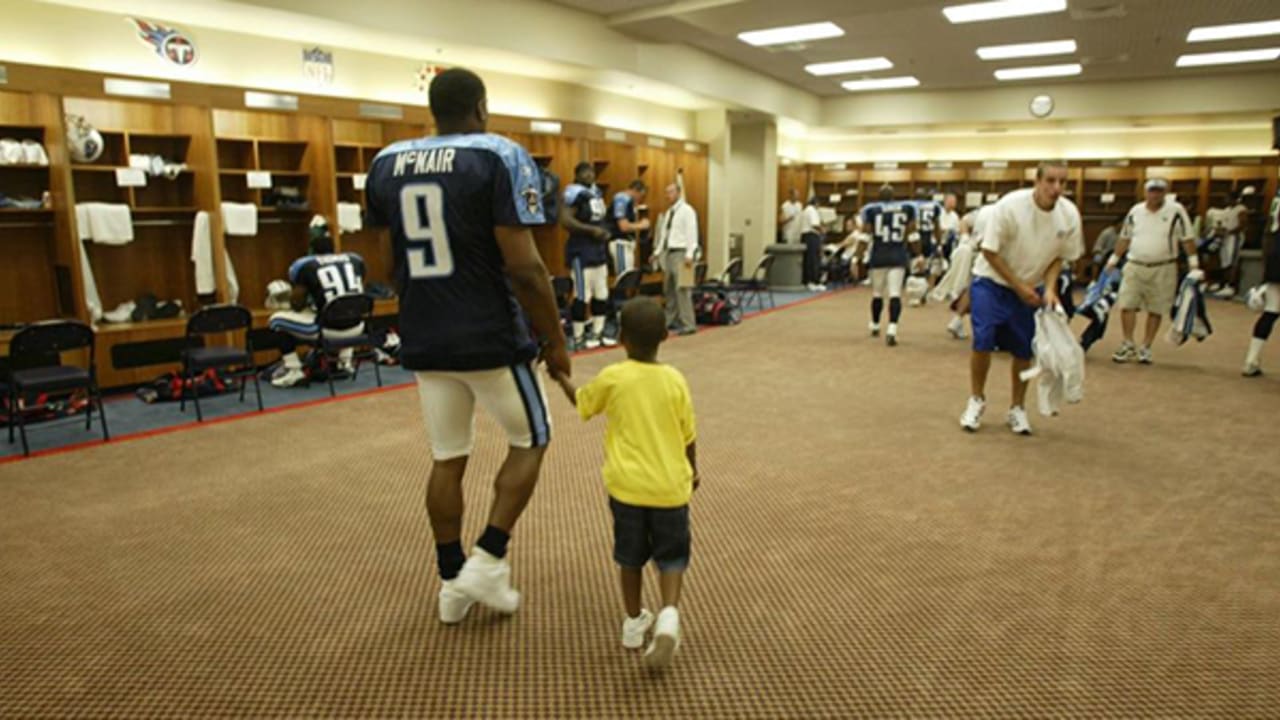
422, 216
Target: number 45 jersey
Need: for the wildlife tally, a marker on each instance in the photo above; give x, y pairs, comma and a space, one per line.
442, 197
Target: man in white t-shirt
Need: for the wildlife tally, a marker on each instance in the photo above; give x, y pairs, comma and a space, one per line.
1149, 238
1029, 235
789, 217
812, 233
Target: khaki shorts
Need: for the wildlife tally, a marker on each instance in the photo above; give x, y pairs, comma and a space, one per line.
1150, 289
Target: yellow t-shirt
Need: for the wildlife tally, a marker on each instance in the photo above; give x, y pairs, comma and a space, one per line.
650, 423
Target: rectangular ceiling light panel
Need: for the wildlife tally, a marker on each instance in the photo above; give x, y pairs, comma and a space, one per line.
906, 81
1023, 50
1038, 71
791, 34
846, 67
978, 12
1231, 32
1229, 58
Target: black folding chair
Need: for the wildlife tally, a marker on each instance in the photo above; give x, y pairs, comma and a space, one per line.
344, 313
235, 361
29, 354
756, 286
731, 276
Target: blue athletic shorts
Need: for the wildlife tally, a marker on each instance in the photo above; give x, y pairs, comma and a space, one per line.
1001, 321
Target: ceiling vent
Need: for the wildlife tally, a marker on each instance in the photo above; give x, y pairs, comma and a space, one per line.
1098, 11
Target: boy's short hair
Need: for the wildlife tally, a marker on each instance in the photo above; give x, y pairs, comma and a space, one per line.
644, 323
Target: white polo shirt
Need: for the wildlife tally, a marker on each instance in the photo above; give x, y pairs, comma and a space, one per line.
1154, 236
1028, 238
791, 210
810, 220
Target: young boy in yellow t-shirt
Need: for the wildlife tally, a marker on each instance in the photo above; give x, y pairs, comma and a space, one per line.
650, 471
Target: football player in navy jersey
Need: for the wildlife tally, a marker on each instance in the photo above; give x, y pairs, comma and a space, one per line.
475, 302
317, 278
889, 227
586, 254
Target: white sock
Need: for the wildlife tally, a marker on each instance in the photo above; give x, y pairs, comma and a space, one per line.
597, 326
579, 329
1255, 351
292, 361
956, 320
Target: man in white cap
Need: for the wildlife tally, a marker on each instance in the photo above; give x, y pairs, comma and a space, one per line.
1150, 237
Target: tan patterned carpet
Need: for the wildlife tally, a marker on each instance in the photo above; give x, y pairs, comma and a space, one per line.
855, 554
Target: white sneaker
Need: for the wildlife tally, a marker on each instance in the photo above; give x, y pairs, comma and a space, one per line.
1018, 422
487, 580
875, 330
820, 288
1144, 356
289, 378
1252, 370
607, 341
956, 328
971, 420
1226, 293
634, 629
453, 604
591, 343
666, 639
891, 335
1126, 353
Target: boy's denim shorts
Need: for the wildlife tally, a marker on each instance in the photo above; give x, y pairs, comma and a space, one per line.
641, 534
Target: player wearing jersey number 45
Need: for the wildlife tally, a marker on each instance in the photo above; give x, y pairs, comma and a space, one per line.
889, 228
472, 287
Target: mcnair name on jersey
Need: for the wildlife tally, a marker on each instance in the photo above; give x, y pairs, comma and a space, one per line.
424, 162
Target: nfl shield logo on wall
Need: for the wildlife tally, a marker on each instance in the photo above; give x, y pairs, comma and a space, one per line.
169, 43
317, 66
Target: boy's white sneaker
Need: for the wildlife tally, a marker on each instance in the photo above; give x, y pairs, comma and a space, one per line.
487, 580
635, 628
1018, 421
666, 639
453, 604
971, 420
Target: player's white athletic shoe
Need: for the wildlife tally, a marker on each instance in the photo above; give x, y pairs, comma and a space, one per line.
956, 328
1018, 421
634, 629
453, 604
875, 330
1144, 356
666, 639
487, 580
891, 335
1126, 353
289, 378
1226, 293
607, 341
591, 343
1252, 370
971, 420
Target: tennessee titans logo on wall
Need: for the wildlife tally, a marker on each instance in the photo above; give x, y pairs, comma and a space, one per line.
169, 43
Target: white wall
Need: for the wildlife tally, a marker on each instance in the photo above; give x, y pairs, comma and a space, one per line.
753, 180
713, 129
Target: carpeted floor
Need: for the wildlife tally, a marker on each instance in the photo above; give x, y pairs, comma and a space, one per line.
855, 554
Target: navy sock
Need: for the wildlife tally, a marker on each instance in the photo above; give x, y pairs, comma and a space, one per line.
877, 307
895, 309
450, 559
494, 541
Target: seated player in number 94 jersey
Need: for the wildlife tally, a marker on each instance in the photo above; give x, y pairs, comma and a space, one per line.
459, 206
317, 278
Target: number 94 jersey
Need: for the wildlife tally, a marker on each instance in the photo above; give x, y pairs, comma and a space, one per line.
887, 223
442, 197
327, 276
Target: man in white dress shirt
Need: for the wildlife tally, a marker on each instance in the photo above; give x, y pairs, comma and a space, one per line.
677, 250
1030, 234
1149, 238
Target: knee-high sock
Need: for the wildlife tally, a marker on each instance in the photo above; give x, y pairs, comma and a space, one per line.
1261, 333
599, 311
895, 309
578, 311
877, 307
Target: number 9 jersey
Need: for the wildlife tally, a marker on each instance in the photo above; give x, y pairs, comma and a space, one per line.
442, 197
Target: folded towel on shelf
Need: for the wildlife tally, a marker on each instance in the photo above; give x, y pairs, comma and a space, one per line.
105, 223
349, 217
240, 218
